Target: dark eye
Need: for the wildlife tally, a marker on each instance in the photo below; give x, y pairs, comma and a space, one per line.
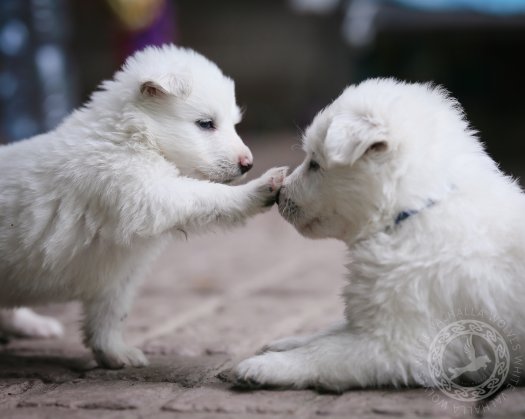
313, 166
207, 124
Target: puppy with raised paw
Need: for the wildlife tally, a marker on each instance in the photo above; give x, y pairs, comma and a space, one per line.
86, 207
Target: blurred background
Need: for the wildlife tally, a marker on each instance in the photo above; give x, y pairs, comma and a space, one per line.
289, 58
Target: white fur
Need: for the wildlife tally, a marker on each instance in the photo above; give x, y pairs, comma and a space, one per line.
85, 208
384, 147
26, 323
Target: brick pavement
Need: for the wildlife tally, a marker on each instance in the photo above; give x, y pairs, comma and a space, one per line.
207, 303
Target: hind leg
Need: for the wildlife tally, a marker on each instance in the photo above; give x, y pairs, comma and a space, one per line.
26, 323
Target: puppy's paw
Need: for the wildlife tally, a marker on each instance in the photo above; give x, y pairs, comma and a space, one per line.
265, 189
119, 358
26, 323
272, 369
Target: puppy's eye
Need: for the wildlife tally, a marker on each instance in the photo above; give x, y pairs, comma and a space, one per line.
206, 124
313, 166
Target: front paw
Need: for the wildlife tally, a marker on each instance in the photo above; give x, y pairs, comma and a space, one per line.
121, 357
265, 189
272, 369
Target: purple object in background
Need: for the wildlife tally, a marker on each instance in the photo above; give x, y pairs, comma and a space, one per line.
161, 30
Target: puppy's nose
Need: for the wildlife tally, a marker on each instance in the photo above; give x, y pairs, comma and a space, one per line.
245, 164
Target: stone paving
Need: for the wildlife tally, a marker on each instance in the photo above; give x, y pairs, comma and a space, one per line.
207, 303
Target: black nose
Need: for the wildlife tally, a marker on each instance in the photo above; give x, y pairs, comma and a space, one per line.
245, 167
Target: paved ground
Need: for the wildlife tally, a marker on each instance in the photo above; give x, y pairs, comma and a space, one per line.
208, 303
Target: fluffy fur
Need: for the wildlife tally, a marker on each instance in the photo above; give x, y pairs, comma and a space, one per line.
382, 149
85, 208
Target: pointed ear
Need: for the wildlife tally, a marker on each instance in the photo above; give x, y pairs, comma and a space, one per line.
165, 86
347, 140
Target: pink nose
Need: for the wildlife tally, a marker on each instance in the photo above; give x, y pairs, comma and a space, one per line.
245, 164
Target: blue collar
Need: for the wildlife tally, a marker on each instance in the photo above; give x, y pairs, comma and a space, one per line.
403, 215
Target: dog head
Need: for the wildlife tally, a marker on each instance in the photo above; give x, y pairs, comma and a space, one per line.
186, 107
381, 147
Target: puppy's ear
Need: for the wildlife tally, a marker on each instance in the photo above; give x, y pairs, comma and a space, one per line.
348, 140
151, 89
165, 86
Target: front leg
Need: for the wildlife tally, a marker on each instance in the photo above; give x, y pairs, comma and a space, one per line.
189, 205
213, 205
104, 316
333, 361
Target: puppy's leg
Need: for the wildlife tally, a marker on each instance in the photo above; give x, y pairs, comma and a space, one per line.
214, 204
193, 206
104, 316
26, 323
332, 362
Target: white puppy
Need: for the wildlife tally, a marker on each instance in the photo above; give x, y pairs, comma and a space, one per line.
84, 208
432, 228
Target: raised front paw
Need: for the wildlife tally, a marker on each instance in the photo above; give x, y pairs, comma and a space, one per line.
265, 189
121, 357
